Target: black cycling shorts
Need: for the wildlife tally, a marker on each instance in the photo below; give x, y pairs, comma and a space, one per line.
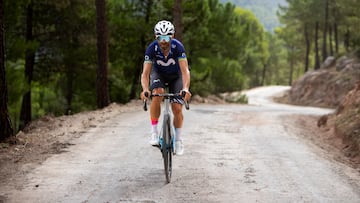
173, 81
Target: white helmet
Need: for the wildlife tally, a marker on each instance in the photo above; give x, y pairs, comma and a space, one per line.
164, 28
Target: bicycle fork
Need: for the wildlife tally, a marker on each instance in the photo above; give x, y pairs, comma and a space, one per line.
172, 137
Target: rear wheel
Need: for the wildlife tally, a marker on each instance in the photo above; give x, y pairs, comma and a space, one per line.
167, 148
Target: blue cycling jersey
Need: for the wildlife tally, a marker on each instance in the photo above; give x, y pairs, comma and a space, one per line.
169, 65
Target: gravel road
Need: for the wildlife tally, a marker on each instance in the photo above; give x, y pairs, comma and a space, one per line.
234, 153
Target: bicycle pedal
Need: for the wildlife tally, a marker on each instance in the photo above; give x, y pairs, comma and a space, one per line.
157, 146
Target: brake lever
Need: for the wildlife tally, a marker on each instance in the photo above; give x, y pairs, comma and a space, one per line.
183, 94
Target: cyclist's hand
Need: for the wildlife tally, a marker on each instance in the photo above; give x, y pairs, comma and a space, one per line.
144, 95
186, 94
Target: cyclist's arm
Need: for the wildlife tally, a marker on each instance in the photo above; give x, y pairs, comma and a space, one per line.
145, 77
183, 63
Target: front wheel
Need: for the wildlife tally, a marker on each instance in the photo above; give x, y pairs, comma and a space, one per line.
167, 148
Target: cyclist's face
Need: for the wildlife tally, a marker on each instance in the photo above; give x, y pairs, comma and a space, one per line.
164, 41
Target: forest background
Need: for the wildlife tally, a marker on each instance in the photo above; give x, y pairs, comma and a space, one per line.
51, 47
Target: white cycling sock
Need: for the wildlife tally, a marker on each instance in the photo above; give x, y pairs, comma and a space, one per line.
178, 134
154, 129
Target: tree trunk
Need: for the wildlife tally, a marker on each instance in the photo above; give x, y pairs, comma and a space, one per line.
336, 38
317, 56
262, 82
326, 20
69, 88
25, 113
291, 71
331, 40
347, 40
102, 88
6, 129
291, 59
177, 12
308, 44
140, 60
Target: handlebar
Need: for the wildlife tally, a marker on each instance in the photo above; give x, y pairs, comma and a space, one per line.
166, 96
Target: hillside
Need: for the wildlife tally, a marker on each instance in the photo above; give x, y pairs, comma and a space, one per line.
335, 85
264, 10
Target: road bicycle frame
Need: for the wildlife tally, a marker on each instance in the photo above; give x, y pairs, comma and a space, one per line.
167, 136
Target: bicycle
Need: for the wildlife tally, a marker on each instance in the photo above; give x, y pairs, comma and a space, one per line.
167, 133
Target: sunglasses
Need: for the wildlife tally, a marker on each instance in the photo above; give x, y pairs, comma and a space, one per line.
167, 38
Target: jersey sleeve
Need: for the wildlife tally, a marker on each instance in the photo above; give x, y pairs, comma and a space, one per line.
181, 51
149, 54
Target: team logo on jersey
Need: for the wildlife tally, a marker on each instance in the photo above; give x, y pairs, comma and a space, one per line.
168, 63
147, 58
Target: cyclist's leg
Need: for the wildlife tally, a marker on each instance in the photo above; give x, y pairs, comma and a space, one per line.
156, 86
176, 103
178, 115
175, 87
155, 104
178, 123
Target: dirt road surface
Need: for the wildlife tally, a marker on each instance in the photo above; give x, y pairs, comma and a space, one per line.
234, 153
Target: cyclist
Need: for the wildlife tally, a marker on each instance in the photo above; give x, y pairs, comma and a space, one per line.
165, 62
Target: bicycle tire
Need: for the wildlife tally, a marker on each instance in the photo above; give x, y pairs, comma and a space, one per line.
167, 149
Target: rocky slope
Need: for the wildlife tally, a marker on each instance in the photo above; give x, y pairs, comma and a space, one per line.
335, 85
